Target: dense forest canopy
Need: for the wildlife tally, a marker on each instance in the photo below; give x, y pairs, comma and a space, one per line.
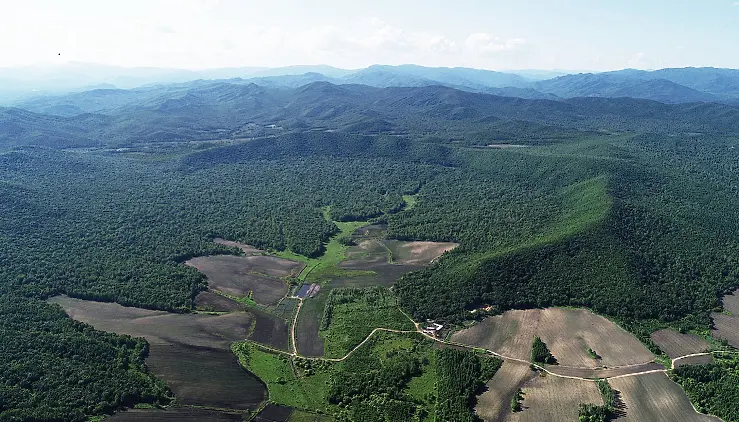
637, 221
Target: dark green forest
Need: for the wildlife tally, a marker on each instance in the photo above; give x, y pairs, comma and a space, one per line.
628, 208
713, 388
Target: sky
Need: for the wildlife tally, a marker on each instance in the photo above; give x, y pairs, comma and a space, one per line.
488, 34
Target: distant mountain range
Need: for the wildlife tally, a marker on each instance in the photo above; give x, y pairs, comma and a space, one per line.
78, 88
239, 109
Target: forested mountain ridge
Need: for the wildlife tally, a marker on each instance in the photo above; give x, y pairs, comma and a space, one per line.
624, 206
229, 110
672, 86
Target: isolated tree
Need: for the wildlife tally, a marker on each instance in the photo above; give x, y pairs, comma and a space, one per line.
540, 352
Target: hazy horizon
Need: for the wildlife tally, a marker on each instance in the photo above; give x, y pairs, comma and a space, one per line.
257, 68
503, 36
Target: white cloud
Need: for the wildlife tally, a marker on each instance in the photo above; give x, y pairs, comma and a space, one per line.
389, 38
487, 44
638, 60
222, 33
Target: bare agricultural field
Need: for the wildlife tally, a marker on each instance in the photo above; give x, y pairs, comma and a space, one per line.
727, 326
553, 399
174, 415
370, 251
213, 302
270, 330
190, 352
731, 303
205, 376
493, 405
385, 274
272, 266
274, 413
569, 371
676, 344
655, 398
570, 332
159, 327
247, 249
694, 360
417, 253
309, 343
567, 332
510, 334
370, 231
236, 276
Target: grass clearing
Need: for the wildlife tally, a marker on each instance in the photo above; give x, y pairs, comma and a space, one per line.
410, 201
325, 267
423, 388
350, 315
286, 384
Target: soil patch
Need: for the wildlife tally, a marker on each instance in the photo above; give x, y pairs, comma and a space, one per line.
247, 249
570, 332
567, 332
309, 343
554, 399
205, 376
655, 398
274, 413
190, 352
270, 330
213, 302
366, 252
159, 327
727, 326
237, 276
417, 253
370, 231
174, 415
510, 334
493, 405
262, 264
676, 344
694, 360
385, 274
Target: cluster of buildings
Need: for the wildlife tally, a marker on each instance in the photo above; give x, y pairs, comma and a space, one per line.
432, 329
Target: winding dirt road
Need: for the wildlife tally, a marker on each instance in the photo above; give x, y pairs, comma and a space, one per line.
582, 374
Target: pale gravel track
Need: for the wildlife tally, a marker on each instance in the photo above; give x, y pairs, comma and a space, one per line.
418, 329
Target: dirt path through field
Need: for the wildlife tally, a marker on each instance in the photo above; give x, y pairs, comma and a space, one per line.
585, 374
294, 324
